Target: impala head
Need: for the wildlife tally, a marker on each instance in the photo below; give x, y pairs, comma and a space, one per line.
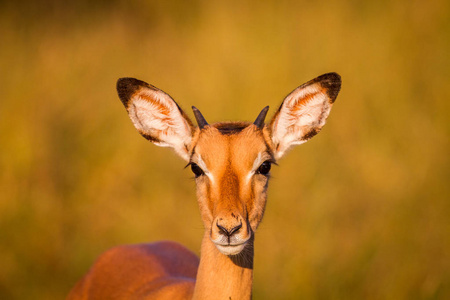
231, 161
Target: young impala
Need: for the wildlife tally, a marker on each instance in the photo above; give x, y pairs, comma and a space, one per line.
231, 162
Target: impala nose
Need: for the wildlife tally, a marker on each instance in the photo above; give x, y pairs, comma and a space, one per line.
228, 231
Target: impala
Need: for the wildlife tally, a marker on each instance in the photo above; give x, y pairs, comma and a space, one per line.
231, 162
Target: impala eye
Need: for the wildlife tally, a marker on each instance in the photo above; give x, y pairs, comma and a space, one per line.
264, 168
197, 170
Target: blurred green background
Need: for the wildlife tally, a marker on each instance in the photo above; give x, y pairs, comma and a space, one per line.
362, 211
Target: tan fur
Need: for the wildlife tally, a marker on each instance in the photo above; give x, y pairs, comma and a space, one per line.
231, 192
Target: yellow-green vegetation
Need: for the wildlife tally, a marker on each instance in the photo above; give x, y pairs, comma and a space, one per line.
362, 211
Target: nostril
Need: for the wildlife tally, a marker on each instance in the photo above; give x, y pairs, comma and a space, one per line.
222, 230
235, 229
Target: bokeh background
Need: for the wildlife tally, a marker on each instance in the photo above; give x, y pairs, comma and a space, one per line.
362, 211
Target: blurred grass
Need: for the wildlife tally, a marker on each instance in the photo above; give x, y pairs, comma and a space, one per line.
360, 212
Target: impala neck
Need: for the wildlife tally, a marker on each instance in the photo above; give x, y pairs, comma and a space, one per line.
224, 277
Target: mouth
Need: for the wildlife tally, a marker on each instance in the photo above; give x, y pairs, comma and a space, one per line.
230, 249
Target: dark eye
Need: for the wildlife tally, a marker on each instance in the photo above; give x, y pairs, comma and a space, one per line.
196, 170
264, 168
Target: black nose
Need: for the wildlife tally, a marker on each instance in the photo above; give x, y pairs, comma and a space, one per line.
228, 232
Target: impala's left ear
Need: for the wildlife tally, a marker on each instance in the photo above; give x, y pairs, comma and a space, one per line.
304, 112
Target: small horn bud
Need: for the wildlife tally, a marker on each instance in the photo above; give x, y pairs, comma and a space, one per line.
259, 122
199, 117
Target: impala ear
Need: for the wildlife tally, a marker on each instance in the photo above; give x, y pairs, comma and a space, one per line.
156, 115
304, 112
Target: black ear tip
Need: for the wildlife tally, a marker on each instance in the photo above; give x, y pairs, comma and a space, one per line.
333, 76
332, 83
330, 79
127, 86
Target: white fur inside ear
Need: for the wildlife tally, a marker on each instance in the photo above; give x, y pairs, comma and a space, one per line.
303, 112
155, 115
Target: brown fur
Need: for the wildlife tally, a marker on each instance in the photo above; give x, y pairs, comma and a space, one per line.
160, 270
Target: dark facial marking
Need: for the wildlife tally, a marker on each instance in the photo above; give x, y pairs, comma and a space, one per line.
230, 128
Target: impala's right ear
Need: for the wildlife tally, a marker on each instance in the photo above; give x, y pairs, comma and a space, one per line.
156, 115
303, 112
